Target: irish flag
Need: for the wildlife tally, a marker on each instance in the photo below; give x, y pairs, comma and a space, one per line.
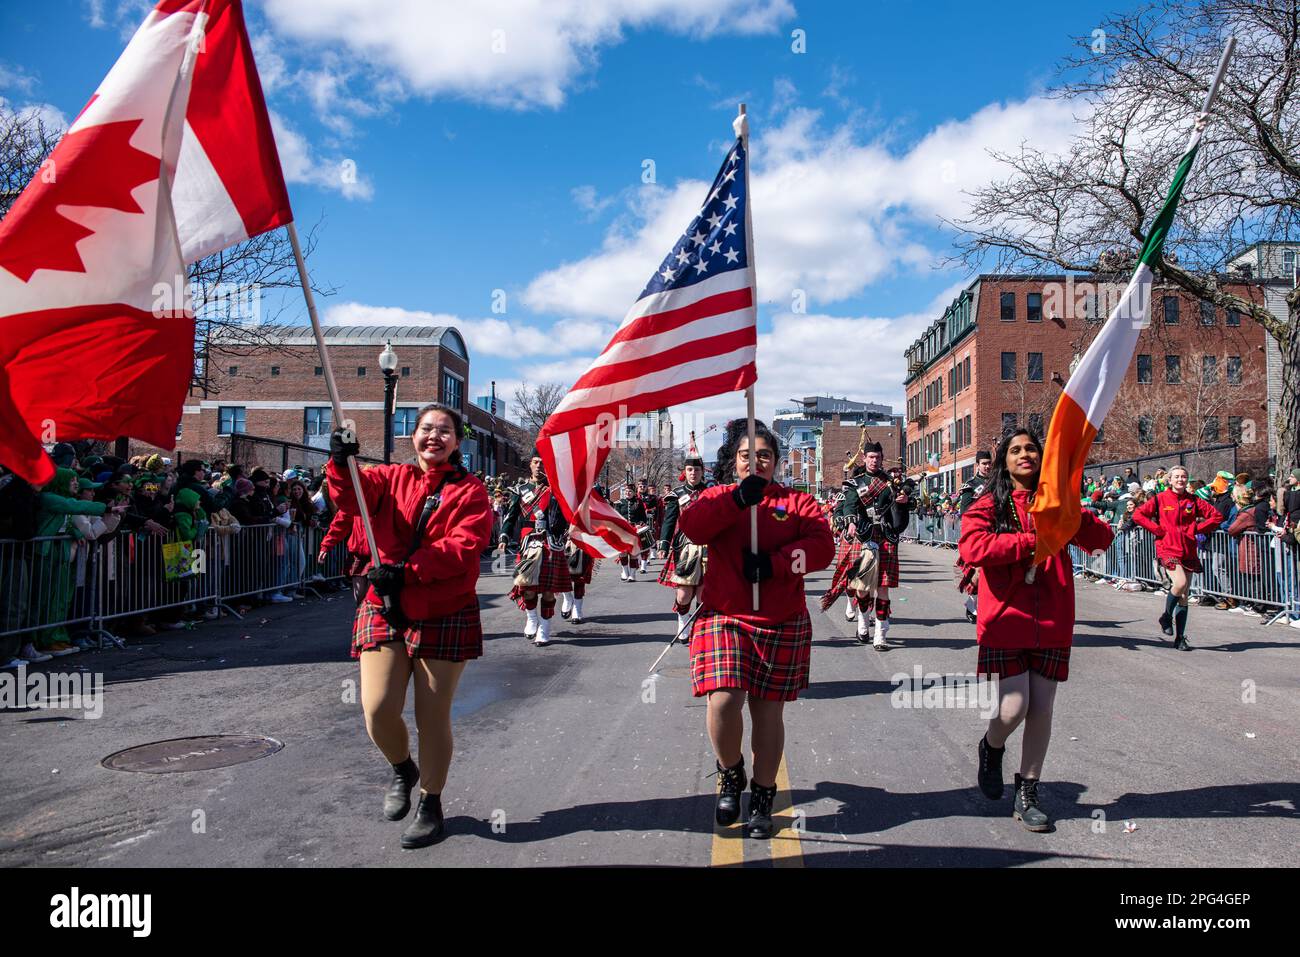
1088, 395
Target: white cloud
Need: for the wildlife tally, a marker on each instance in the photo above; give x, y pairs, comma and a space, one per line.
501, 51
831, 215
301, 165
589, 201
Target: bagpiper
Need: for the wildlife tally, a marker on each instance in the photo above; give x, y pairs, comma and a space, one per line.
840, 524
535, 523
653, 511
683, 568
876, 508
630, 506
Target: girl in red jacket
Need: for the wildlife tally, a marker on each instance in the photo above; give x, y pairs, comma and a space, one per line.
1024, 628
738, 653
1175, 517
420, 618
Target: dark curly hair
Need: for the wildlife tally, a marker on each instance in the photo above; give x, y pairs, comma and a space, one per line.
737, 433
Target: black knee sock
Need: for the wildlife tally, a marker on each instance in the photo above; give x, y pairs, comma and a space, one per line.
1180, 621
1170, 601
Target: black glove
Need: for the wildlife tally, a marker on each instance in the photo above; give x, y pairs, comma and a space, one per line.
750, 491
387, 579
757, 567
343, 442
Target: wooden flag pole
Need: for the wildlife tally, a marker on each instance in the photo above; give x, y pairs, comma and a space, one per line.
333, 389
742, 129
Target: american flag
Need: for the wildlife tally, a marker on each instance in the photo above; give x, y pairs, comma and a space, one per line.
690, 334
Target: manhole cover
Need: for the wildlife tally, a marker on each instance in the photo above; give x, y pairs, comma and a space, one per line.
192, 754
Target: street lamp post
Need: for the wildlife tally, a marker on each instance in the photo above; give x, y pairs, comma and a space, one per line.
388, 365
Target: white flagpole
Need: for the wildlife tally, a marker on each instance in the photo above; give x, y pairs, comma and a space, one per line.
333, 389
742, 129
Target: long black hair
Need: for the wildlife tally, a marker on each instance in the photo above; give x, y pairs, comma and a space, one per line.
737, 434
1000, 485
456, 421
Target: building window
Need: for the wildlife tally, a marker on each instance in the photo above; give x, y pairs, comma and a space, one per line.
1170, 305
1034, 366
406, 372
1092, 308
1233, 317
1008, 423
1144, 369
404, 421
1234, 429
1209, 370
1208, 317
1234, 370
1288, 264
233, 370
970, 438
1145, 430
1173, 369
316, 421
1175, 430
275, 370
320, 370
1008, 307
965, 373
1034, 307
1210, 430
1008, 367
230, 419
452, 389
1036, 423
361, 371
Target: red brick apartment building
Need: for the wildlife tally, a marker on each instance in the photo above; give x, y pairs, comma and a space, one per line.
1002, 351
271, 384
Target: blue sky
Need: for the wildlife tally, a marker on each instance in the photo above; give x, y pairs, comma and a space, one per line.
522, 169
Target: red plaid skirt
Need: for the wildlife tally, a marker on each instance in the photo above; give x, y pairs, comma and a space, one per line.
1192, 563
454, 637
554, 576
768, 661
1052, 663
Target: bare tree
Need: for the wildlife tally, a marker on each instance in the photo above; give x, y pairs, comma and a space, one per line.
1137, 85
535, 403
26, 139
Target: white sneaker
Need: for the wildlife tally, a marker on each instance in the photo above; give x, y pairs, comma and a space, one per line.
32, 655
849, 613
1294, 622
280, 599
14, 663
212, 614
882, 629
543, 633
576, 617
531, 623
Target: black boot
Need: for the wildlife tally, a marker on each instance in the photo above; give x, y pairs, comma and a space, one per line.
428, 824
731, 781
1027, 810
397, 802
990, 772
760, 811
1180, 629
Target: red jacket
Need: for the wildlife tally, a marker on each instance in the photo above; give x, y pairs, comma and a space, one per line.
787, 522
346, 524
442, 573
1013, 613
1181, 519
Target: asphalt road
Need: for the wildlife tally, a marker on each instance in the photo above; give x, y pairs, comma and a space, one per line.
573, 755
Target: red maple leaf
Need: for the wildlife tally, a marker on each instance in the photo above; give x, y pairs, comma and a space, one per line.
95, 166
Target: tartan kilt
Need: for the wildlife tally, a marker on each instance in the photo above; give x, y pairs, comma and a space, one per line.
554, 575
588, 568
770, 662
666, 574
1192, 563
845, 562
1051, 663
454, 637
888, 564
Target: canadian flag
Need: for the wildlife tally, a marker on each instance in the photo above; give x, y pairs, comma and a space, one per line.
171, 160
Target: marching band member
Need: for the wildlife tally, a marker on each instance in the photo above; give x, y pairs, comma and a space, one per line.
875, 510
581, 568
536, 522
1175, 517
740, 654
1025, 627
630, 506
684, 566
652, 513
420, 616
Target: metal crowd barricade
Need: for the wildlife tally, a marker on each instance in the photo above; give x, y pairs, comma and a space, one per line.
125, 576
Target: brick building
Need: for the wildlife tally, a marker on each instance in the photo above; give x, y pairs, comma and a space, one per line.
1003, 350
270, 383
819, 435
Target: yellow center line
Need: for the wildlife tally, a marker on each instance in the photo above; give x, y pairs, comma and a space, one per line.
786, 851
728, 845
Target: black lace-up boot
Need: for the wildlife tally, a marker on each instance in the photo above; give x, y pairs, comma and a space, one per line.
1027, 810
397, 802
428, 824
731, 782
990, 773
760, 811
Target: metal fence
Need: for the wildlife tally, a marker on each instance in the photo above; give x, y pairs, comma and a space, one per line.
277, 455
1256, 568
48, 584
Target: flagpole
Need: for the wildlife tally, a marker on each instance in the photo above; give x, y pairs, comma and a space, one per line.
742, 129
328, 370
